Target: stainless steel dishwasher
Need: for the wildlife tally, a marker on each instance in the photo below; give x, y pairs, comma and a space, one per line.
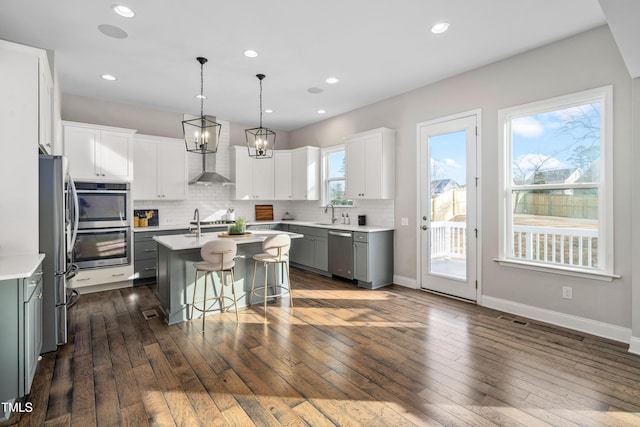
341, 253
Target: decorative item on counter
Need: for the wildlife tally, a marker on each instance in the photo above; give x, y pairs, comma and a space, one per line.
362, 220
238, 228
231, 214
347, 219
287, 216
145, 217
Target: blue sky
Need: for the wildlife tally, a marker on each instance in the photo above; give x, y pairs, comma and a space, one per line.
539, 140
448, 156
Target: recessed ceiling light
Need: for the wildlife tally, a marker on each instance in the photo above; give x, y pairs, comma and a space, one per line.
250, 53
108, 77
440, 27
123, 11
332, 80
321, 111
268, 111
198, 96
315, 90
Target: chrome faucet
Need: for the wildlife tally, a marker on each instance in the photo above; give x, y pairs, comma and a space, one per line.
333, 216
196, 217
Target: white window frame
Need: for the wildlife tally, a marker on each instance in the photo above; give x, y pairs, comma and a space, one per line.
325, 152
604, 95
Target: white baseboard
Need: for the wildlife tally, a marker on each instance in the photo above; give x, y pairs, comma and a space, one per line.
405, 281
104, 287
634, 345
593, 327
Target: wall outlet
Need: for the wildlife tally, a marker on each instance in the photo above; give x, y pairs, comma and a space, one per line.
404, 221
567, 292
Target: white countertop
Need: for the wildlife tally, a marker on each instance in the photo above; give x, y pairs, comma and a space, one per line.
351, 227
180, 241
19, 266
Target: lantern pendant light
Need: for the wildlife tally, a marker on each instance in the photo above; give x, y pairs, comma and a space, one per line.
260, 141
201, 135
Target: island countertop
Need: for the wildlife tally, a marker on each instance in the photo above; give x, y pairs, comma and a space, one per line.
180, 242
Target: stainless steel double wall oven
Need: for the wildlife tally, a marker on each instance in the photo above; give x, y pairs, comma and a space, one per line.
104, 225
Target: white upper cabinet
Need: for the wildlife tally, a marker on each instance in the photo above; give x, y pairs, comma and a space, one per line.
99, 152
289, 175
160, 168
254, 178
282, 174
370, 164
25, 123
45, 86
305, 173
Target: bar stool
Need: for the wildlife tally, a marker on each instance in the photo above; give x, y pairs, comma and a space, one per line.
218, 257
275, 252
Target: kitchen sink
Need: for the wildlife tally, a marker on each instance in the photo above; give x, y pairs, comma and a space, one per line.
324, 223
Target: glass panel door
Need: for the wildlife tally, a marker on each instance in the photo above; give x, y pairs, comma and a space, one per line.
448, 206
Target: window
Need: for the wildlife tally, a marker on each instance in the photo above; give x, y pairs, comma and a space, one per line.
334, 181
557, 177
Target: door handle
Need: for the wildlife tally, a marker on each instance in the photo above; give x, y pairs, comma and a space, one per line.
424, 227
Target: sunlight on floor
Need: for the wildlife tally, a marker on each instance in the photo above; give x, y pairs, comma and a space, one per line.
361, 294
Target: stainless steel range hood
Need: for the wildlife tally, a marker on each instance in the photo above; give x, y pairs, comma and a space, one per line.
205, 177
209, 178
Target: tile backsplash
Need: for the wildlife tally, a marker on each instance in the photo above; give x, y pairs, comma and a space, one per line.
213, 200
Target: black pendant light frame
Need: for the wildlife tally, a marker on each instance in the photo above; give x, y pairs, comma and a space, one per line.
261, 141
201, 135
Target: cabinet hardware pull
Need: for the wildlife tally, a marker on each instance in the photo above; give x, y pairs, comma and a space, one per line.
150, 250
149, 268
117, 275
82, 280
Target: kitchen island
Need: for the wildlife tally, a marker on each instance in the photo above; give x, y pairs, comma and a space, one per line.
176, 274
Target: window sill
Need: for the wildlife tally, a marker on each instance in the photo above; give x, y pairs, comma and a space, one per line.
566, 271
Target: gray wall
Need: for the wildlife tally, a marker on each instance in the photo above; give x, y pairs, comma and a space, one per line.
585, 61
145, 120
635, 236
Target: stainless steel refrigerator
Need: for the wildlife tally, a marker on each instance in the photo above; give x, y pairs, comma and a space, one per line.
56, 224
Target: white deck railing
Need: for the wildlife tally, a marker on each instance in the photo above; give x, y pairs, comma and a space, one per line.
568, 246
448, 239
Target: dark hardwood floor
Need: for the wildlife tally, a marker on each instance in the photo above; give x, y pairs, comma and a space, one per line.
344, 356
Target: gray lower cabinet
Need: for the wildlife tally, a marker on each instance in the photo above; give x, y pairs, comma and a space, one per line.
145, 251
145, 254
259, 227
312, 250
21, 320
373, 258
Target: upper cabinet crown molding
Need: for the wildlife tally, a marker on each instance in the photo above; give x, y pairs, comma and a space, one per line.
370, 164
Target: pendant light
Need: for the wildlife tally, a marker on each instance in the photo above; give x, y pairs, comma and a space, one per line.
201, 135
260, 141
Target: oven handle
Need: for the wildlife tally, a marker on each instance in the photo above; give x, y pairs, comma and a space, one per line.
103, 230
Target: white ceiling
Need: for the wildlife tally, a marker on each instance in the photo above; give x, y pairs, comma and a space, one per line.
377, 48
